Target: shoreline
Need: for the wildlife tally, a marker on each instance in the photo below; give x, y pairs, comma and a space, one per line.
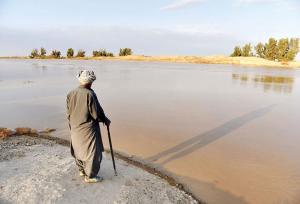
239, 61
121, 156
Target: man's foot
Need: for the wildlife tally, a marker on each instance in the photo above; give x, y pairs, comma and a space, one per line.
81, 173
95, 179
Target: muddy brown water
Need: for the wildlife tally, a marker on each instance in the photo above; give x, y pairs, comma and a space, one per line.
231, 134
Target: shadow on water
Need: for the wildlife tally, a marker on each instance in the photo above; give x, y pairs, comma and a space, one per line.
208, 137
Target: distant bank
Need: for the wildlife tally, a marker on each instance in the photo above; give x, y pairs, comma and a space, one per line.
242, 61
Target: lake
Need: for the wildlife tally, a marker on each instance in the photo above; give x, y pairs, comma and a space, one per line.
230, 133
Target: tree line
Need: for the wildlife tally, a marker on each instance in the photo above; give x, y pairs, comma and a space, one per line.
42, 53
284, 49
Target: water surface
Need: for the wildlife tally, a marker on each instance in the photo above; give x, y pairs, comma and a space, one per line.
231, 134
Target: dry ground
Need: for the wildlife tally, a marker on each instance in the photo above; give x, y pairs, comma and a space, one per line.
35, 170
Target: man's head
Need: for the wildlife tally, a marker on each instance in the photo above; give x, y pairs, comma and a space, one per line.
86, 78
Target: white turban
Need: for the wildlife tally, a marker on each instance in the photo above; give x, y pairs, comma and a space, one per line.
86, 77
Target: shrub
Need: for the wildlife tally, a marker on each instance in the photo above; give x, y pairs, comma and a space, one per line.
34, 53
80, 53
70, 53
43, 52
95, 53
109, 54
102, 53
125, 52
55, 54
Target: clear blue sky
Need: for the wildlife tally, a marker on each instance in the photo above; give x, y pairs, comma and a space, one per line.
165, 27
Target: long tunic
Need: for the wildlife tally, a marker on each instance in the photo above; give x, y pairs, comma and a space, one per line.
84, 114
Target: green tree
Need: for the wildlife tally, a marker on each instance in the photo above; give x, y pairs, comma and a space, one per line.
283, 49
80, 53
271, 49
95, 53
125, 51
237, 52
70, 52
293, 49
102, 53
43, 52
55, 53
34, 53
247, 50
109, 54
260, 50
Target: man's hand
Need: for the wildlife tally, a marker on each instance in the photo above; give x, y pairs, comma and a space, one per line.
107, 121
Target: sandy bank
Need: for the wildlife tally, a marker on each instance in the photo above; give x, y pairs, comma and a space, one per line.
242, 61
35, 170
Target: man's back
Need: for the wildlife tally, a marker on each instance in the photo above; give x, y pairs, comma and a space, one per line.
78, 101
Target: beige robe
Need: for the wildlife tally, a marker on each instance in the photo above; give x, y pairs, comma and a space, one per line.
84, 114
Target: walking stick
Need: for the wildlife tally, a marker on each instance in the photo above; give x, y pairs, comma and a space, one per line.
111, 150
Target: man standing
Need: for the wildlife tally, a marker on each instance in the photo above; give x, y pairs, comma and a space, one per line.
84, 114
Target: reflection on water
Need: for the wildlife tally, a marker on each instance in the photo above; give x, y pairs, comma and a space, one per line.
279, 84
39, 66
28, 82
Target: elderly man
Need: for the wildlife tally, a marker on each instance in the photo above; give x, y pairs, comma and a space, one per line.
84, 114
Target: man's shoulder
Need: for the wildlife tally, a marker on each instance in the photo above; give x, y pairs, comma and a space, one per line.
80, 90
72, 92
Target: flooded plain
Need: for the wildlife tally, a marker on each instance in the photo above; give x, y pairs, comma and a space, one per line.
230, 133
